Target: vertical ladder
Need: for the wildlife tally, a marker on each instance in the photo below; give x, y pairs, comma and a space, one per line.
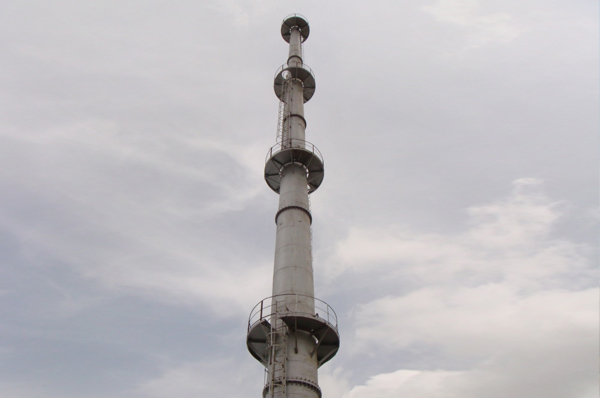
283, 119
280, 119
277, 357
285, 115
311, 244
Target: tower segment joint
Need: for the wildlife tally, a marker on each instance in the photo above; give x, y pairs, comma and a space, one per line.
291, 115
305, 383
293, 207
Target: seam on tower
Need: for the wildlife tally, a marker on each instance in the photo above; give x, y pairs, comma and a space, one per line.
293, 207
297, 115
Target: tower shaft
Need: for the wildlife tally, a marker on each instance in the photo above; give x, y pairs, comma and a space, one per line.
293, 272
293, 95
292, 333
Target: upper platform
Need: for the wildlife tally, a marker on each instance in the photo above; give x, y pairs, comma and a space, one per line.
294, 20
300, 72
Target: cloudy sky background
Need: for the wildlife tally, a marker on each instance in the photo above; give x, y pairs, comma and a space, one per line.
454, 234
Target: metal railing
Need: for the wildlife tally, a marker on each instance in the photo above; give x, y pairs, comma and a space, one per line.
288, 25
294, 143
295, 14
287, 74
269, 307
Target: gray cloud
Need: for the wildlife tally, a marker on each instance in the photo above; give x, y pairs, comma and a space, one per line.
137, 233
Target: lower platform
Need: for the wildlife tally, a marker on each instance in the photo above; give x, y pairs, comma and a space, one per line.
322, 325
257, 341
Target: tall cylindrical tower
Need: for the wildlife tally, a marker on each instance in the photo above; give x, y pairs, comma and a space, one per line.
292, 333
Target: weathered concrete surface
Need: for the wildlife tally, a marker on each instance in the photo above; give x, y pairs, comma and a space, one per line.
293, 271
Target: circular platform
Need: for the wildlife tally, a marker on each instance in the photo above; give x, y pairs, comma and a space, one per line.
294, 151
294, 20
302, 73
321, 323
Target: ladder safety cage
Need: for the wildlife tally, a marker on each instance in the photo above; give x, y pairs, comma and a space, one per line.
277, 355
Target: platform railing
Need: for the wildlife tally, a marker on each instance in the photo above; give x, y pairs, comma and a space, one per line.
293, 143
294, 15
288, 74
295, 304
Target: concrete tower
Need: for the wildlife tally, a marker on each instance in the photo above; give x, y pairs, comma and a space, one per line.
292, 333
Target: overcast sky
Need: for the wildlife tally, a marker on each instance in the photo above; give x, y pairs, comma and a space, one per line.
454, 233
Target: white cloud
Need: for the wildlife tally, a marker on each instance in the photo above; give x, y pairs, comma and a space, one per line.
334, 382
510, 239
543, 344
405, 383
146, 199
200, 379
524, 382
16, 390
505, 300
133, 138
464, 321
243, 12
481, 28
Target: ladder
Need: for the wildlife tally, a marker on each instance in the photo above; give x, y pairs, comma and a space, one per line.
277, 357
283, 119
280, 120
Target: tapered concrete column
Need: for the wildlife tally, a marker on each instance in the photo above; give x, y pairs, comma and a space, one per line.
292, 333
293, 258
295, 57
301, 365
296, 122
294, 114
293, 271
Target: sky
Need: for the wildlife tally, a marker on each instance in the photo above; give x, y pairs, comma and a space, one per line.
455, 233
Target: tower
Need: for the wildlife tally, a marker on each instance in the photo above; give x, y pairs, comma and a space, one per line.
292, 333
